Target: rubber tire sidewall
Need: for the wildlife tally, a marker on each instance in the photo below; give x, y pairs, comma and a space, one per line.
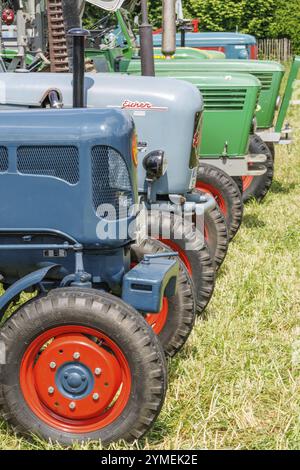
113, 317
217, 236
182, 306
226, 186
198, 255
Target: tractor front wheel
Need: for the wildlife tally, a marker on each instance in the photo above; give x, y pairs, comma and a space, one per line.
223, 188
174, 323
216, 235
271, 147
193, 251
257, 187
81, 366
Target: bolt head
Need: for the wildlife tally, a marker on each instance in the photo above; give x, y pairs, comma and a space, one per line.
98, 371
72, 405
51, 390
96, 396
52, 365
76, 356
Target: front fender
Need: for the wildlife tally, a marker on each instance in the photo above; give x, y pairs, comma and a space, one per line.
22, 284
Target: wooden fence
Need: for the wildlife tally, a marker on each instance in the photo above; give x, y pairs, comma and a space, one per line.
275, 49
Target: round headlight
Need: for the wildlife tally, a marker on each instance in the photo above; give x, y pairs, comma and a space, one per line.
155, 165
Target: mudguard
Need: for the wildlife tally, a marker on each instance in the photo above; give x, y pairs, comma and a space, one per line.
26, 282
146, 284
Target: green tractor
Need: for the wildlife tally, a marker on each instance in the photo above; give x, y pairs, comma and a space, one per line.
270, 128
266, 130
230, 106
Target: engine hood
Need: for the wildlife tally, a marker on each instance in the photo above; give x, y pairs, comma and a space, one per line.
163, 109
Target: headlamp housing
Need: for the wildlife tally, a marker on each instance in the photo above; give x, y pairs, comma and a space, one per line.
155, 165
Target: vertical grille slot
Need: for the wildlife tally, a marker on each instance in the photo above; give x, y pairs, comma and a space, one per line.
3, 160
224, 99
60, 162
111, 184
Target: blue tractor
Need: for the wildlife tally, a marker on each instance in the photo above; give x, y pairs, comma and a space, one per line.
78, 361
167, 114
233, 45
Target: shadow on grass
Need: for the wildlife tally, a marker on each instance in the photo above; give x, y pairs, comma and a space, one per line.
280, 188
252, 221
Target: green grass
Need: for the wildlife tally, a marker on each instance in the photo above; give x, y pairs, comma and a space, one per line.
236, 384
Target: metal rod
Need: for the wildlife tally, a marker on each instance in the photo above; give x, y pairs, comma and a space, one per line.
169, 28
182, 32
37, 247
78, 36
21, 35
37, 231
146, 39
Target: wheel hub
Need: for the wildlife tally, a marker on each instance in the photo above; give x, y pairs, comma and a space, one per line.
74, 389
74, 380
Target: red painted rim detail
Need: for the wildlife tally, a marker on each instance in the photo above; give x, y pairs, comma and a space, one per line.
207, 188
158, 320
50, 370
206, 237
182, 254
247, 181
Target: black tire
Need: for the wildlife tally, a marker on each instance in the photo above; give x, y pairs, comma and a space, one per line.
181, 307
271, 147
217, 236
239, 182
260, 185
197, 257
104, 313
223, 187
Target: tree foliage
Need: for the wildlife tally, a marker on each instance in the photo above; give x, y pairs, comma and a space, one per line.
249, 16
287, 22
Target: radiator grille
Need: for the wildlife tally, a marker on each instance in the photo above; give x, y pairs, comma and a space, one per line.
3, 160
265, 79
60, 162
111, 183
224, 99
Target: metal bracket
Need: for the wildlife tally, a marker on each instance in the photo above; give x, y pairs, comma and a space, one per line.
257, 158
169, 254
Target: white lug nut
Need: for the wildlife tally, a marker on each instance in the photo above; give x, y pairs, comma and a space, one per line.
76, 356
50, 390
98, 371
72, 405
52, 365
96, 396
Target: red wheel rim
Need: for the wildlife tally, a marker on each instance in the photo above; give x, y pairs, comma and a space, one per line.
53, 379
158, 320
247, 181
207, 188
182, 254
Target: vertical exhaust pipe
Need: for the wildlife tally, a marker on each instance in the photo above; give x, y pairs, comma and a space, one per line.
79, 35
146, 39
169, 28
